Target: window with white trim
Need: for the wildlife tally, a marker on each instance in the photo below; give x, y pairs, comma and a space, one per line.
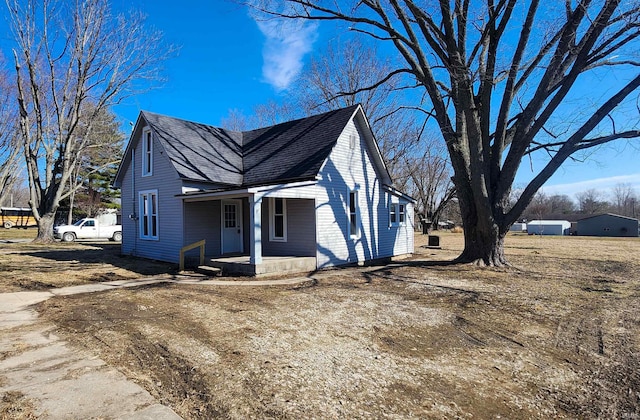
147, 152
397, 214
149, 214
354, 223
278, 222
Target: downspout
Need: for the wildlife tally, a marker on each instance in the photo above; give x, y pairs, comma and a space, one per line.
133, 201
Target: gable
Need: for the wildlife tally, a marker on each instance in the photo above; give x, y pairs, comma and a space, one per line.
352, 161
288, 152
294, 150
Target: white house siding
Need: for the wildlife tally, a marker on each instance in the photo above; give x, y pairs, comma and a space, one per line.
345, 170
398, 239
300, 230
202, 221
165, 180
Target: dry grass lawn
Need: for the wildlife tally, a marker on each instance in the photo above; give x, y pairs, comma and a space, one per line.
27, 266
557, 335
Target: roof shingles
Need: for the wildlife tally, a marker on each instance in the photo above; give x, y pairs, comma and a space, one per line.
290, 151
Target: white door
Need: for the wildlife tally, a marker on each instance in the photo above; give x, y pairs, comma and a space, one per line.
231, 226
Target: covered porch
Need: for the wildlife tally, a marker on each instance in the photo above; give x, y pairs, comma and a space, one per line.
254, 232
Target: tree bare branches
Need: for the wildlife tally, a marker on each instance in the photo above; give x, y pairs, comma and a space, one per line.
9, 140
497, 75
69, 55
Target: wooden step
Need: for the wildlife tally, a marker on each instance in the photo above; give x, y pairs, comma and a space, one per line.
208, 270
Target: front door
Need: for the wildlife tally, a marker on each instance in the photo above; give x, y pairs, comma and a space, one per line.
231, 226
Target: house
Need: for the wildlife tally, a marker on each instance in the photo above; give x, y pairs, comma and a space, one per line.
302, 195
548, 227
607, 225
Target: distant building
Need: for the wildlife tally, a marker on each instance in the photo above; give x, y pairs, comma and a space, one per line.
518, 227
608, 225
549, 227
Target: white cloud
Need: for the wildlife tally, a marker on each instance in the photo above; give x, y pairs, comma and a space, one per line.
286, 44
603, 184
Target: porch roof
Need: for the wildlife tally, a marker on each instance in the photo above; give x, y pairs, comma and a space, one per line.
197, 195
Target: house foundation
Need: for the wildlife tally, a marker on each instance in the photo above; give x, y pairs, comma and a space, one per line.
242, 265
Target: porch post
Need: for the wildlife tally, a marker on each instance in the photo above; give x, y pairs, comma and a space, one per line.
255, 228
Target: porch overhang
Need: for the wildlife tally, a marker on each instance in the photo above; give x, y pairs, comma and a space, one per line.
250, 202
273, 190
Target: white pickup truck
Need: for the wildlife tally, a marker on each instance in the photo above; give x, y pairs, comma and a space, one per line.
88, 229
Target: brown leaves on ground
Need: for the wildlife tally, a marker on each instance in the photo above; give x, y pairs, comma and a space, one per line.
556, 335
14, 406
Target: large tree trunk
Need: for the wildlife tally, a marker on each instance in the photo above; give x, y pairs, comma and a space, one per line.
45, 228
483, 245
483, 234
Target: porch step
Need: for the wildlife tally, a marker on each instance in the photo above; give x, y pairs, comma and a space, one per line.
208, 270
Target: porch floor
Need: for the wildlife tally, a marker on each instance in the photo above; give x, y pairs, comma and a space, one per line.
270, 265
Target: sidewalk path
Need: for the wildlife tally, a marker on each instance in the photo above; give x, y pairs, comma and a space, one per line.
64, 382
67, 382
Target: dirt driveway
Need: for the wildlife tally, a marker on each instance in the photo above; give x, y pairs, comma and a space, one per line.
556, 337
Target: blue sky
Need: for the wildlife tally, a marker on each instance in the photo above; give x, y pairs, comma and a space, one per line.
229, 61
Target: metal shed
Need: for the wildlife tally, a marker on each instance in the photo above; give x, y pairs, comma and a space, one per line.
518, 227
608, 224
548, 227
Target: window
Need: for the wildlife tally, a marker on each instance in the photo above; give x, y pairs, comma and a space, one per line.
353, 214
278, 214
230, 215
397, 214
149, 215
352, 141
147, 153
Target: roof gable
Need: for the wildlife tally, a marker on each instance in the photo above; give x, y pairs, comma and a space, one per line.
287, 152
294, 150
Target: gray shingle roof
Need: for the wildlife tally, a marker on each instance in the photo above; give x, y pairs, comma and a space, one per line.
199, 152
291, 151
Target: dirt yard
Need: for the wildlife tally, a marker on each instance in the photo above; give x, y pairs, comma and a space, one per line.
26, 266
558, 335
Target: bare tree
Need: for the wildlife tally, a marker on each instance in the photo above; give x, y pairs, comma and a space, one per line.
9, 140
625, 200
429, 182
69, 55
592, 201
543, 206
236, 121
341, 77
497, 76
